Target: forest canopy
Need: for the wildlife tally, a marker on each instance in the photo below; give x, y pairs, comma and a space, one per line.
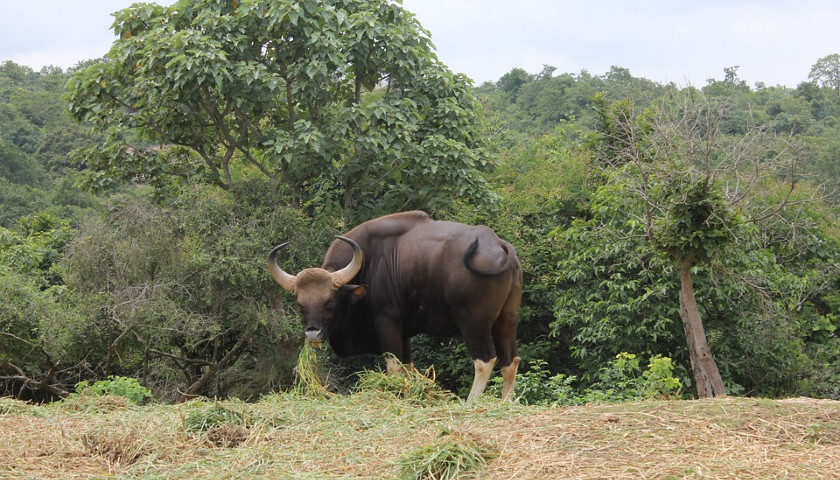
135, 227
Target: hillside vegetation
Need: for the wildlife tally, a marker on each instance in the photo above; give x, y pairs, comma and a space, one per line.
372, 435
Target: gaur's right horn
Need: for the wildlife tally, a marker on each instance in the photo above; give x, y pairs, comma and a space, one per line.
281, 277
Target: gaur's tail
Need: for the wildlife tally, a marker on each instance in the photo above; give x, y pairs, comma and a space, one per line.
509, 260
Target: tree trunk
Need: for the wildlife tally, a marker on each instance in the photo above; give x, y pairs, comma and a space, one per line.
706, 375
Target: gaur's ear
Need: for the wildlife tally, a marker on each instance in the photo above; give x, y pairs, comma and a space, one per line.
354, 293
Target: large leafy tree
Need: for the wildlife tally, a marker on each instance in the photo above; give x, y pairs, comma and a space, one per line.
339, 98
827, 72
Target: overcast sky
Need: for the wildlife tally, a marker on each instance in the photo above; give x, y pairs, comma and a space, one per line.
774, 42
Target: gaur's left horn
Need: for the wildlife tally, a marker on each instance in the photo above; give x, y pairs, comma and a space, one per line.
345, 275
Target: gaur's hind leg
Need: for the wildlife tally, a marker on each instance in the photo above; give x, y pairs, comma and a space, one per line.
509, 378
504, 338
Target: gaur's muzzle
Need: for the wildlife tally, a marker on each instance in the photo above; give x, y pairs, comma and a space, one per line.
314, 335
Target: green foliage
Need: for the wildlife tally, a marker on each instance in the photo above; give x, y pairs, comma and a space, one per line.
827, 72
36, 137
34, 248
615, 293
126, 387
195, 268
621, 379
546, 179
451, 456
342, 96
39, 323
535, 104
18, 167
825, 163
38, 328
511, 82
18, 201
658, 380
618, 380
538, 386
696, 220
351, 116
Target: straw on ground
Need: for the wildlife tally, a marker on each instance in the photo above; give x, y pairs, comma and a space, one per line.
369, 435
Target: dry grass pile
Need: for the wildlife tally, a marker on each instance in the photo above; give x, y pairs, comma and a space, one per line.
79, 438
722, 438
117, 445
369, 435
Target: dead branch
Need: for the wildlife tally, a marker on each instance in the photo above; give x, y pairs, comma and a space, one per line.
211, 372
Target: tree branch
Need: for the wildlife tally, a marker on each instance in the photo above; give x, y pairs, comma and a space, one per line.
196, 387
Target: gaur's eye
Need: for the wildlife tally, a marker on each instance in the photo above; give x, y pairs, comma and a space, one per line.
329, 305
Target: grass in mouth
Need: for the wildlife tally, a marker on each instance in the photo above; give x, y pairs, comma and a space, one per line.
308, 379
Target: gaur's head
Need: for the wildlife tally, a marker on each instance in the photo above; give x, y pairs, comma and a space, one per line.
321, 294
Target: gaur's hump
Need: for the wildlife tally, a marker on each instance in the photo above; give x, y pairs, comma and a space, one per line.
392, 225
413, 215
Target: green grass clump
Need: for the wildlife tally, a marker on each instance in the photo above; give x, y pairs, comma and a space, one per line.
210, 416
450, 456
217, 425
412, 385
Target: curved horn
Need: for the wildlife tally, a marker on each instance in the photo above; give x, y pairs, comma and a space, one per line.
282, 278
343, 276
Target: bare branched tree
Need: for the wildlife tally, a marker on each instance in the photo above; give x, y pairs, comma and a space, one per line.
698, 185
